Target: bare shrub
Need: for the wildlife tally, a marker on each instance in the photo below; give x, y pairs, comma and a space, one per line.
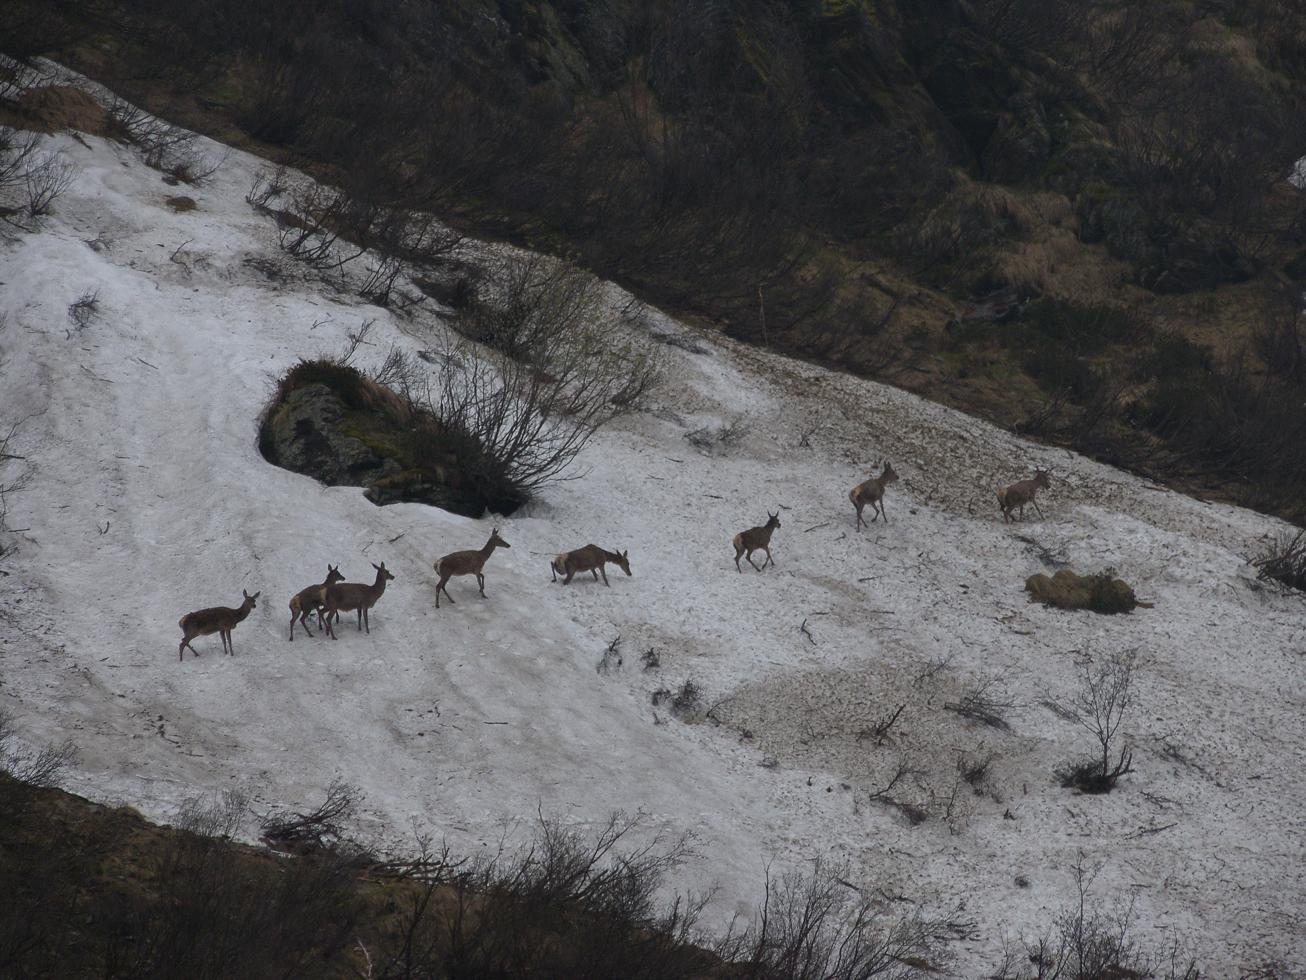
725, 436
1284, 561
23, 770
45, 179
218, 911
818, 925
84, 309
164, 147
985, 702
1088, 943
977, 770
570, 903
16, 151
556, 371
686, 702
15, 475
318, 829
1105, 694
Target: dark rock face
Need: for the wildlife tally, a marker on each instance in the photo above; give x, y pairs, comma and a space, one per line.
303, 435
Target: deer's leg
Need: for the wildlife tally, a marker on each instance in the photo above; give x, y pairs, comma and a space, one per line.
737, 568
571, 573
554, 570
605, 575
330, 631
882, 513
303, 620
480, 582
595, 573
367, 622
1036, 507
749, 557
769, 559
185, 642
860, 522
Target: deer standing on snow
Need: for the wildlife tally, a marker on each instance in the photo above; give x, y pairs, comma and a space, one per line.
756, 539
466, 563
872, 492
590, 558
310, 600
354, 595
218, 619
1022, 493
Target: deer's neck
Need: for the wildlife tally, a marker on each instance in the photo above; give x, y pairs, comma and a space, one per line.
488, 550
379, 585
611, 556
243, 611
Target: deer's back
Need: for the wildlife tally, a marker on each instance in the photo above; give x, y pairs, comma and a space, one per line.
313, 595
584, 559
755, 536
460, 562
208, 620
868, 491
348, 595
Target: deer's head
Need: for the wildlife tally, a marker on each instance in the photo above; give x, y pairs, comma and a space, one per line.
250, 599
890, 475
773, 520
624, 562
1042, 479
333, 574
382, 573
497, 541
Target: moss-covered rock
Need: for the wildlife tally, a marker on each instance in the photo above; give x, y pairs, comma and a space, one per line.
1102, 593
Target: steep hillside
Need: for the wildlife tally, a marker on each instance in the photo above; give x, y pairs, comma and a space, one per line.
149, 498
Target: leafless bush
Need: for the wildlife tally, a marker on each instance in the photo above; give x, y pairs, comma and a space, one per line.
818, 925
686, 702
269, 184
15, 475
23, 770
1087, 943
1284, 561
318, 829
84, 309
45, 179
16, 152
726, 436
879, 731
984, 702
1105, 694
976, 770
162, 146
557, 370
570, 903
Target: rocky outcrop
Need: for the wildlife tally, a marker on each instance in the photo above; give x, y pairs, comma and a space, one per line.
303, 435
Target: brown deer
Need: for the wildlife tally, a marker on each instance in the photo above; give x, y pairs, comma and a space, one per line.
1022, 493
218, 619
310, 600
354, 595
466, 563
590, 558
754, 539
872, 492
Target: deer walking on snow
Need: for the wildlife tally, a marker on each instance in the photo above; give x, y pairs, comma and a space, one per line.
310, 600
590, 558
872, 492
1019, 494
756, 539
218, 619
354, 595
466, 563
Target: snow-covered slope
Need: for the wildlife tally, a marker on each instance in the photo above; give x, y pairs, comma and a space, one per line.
150, 499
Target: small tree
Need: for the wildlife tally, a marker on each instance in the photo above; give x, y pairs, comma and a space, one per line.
1105, 694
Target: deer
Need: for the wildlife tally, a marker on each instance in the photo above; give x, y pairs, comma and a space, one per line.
872, 492
754, 539
1022, 493
590, 558
218, 619
354, 595
466, 563
310, 600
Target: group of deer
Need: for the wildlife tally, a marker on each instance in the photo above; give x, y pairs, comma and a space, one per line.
333, 595
1010, 498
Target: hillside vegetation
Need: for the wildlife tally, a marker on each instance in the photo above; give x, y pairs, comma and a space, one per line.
832, 179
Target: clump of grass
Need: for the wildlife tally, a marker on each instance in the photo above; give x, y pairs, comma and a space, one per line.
1284, 561
1102, 593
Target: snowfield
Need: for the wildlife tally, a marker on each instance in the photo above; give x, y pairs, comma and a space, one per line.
150, 499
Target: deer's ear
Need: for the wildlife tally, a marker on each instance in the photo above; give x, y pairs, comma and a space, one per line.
376, 566
256, 594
